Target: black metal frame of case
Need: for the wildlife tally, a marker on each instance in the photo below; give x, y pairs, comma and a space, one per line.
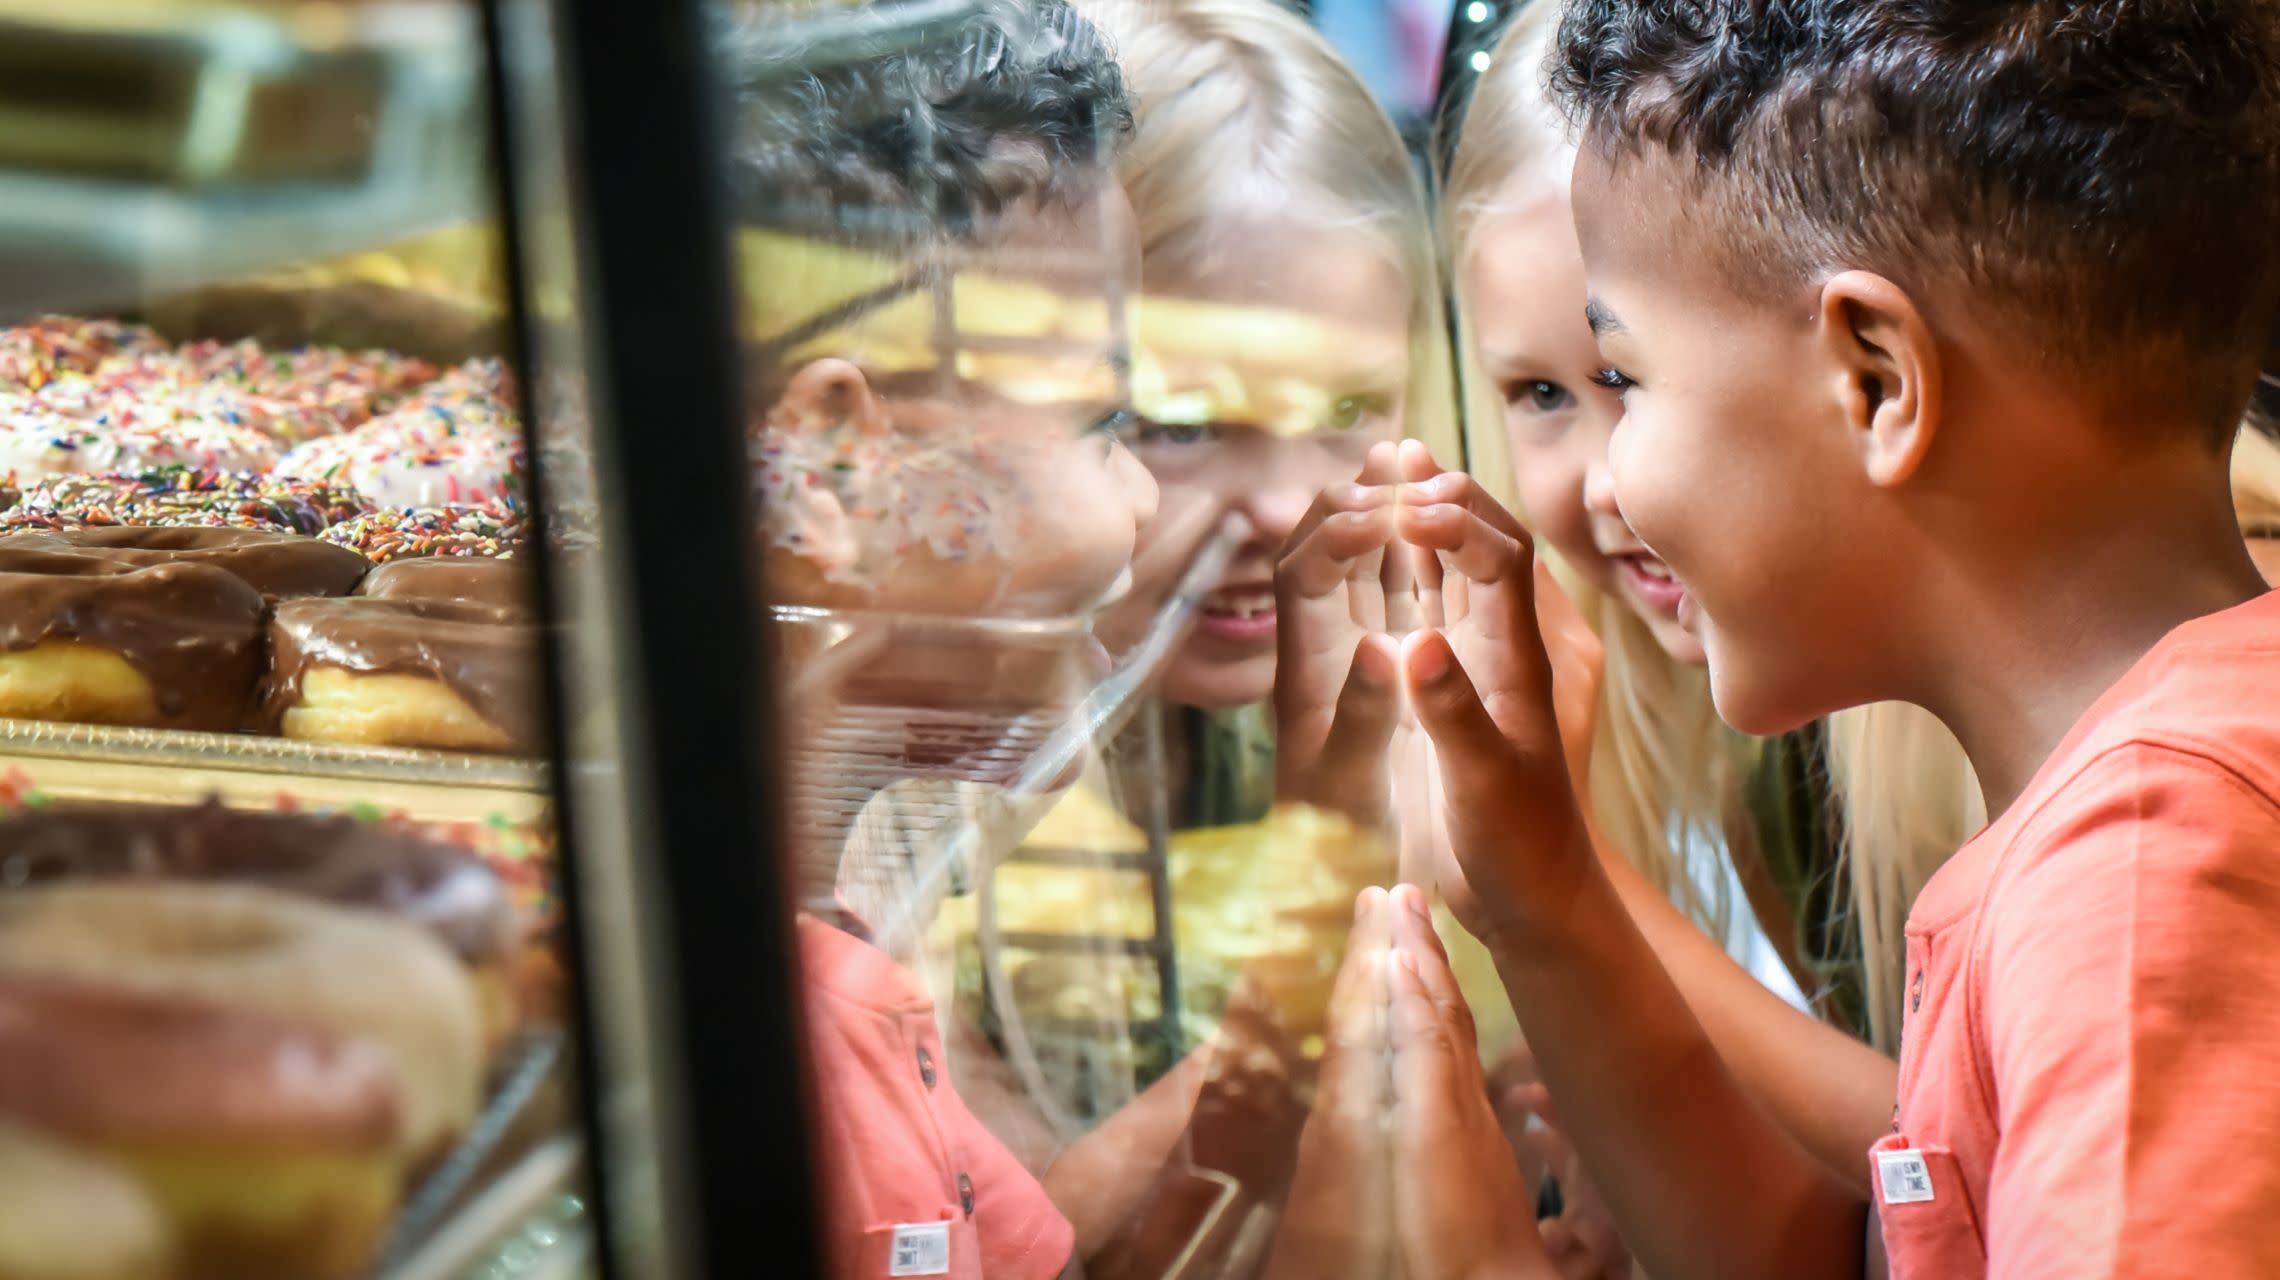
640, 118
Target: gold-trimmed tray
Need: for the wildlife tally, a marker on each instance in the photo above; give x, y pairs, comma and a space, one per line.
164, 766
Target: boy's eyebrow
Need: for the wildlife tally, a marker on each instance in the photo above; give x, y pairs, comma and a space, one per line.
1602, 320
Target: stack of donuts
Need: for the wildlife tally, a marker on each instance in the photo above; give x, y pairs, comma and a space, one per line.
206, 536
234, 629
411, 447
234, 1039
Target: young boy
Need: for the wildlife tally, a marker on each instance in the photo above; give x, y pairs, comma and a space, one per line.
1933, 320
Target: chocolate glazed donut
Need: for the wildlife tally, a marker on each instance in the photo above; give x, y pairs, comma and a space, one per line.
338, 670
105, 642
281, 566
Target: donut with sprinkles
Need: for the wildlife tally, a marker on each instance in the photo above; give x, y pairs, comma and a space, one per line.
167, 496
381, 536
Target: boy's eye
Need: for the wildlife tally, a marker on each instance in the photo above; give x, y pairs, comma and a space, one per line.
1539, 396
1174, 432
1614, 380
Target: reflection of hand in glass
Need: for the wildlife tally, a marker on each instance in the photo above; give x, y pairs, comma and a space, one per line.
1248, 1114
1460, 1207
1340, 591
1337, 1223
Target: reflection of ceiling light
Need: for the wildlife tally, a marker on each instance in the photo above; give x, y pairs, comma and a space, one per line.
1477, 12
1480, 60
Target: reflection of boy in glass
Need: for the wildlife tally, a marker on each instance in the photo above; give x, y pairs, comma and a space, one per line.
892, 479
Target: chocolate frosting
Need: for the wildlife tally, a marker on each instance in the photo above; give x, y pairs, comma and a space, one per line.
281, 566
431, 883
111, 1066
192, 630
488, 655
501, 584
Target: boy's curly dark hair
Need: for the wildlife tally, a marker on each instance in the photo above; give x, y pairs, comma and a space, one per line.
2106, 170
1022, 100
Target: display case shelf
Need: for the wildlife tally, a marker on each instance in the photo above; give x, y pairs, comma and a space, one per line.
229, 142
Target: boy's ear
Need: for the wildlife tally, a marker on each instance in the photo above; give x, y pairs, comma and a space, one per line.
1888, 372
829, 391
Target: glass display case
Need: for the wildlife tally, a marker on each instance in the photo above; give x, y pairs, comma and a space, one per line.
642, 639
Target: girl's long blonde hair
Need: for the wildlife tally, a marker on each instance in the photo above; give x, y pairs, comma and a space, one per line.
1245, 111
1665, 772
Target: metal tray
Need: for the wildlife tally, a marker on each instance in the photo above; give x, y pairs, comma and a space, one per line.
165, 766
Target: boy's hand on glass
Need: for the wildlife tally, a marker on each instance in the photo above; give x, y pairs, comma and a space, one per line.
1341, 592
1481, 684
1338, 1220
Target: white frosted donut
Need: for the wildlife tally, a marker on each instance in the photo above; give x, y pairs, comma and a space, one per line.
417, 460
353, 973
37, 440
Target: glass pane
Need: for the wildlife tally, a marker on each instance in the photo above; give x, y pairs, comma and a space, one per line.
1059, 320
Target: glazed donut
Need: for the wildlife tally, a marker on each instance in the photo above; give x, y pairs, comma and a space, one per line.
38, 438
497, 583
33, 353
438, 886
281, 566
355, 974
97, 641
171, 496
417, 459
270, 1148
444, 674
69, 1214
410, 533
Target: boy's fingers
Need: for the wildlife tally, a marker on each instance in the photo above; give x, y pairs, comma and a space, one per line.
1413, 932
1473, 753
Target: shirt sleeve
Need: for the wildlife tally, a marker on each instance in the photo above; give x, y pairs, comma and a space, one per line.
2131, 994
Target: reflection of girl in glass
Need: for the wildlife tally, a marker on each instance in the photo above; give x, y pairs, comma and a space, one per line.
1289, 319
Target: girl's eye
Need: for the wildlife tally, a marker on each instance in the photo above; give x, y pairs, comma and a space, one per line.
1351, 411
1174, 432
1539, 396
1114, 422
1614, 380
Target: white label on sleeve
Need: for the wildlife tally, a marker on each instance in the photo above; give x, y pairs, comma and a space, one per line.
920, 1249
1906, 1178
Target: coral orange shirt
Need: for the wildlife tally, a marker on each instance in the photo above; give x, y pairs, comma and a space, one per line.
2090, 1062
913, 1184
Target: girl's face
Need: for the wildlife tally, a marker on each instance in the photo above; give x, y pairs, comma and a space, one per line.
1525, 292
1309, 411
